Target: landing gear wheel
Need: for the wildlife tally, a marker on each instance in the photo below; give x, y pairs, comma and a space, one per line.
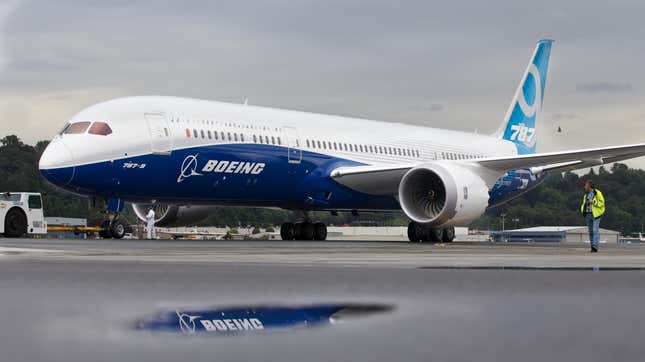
320, 231
105, 230
307, 231
448, 235
15, 224
287, 231
118, 228
297, 231
436, 235
415, 232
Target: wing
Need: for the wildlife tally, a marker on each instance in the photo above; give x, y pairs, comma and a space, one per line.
384, 180
571, 160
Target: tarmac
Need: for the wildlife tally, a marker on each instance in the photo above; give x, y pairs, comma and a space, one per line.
103, 300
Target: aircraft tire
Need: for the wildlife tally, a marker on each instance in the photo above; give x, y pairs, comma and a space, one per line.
320, 231
435, 235
448, 235
118, 228
415, 232
307, 231
287, 231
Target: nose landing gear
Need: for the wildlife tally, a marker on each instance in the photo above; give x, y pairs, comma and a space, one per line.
114, 227
421, 233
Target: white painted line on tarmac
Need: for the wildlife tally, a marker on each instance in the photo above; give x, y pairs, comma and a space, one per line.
12, 251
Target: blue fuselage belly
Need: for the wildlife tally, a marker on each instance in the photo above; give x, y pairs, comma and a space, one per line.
277, 183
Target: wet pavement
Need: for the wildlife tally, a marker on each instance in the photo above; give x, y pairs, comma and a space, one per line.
67, 300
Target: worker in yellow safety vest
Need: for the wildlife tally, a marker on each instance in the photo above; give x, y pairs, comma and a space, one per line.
593, 207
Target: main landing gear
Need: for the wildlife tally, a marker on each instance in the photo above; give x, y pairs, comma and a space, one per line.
421, 233
303, 231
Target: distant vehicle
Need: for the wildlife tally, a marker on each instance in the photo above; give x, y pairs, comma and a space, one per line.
632, 239
187, 156
21, 213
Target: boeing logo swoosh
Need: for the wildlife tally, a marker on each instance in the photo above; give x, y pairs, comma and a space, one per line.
188, 168
186, 322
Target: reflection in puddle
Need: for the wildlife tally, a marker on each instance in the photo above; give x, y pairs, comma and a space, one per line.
254, 319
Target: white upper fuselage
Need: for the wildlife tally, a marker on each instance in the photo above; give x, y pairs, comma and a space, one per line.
359, 140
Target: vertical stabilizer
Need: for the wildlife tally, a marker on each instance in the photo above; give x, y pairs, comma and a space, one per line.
520, 123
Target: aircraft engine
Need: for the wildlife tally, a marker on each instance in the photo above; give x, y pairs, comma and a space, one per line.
440, 194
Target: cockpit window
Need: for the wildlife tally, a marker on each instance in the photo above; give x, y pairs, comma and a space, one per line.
100, 128
65, 127
76, 128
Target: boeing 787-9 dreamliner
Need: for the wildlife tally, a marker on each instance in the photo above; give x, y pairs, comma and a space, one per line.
186, 156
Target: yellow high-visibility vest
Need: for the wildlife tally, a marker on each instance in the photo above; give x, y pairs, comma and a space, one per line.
597, 205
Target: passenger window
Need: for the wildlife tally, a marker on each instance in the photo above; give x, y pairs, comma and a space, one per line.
187, 133
307, 143
230, 139
210, 135
102, 129
195, 133
235, 136
242, 137
202, 133
318, 144
77, 128
272, 140
255, 139
280, 142
35, 202
215, 134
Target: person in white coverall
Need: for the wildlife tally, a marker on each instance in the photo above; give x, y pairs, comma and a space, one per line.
150, 219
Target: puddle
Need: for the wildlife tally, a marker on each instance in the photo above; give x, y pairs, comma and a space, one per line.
255, 319
554, 268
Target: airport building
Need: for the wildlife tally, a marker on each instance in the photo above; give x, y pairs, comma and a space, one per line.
569, 234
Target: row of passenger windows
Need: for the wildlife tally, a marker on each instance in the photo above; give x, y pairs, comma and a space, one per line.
232, 137
317, 144
458, 156
350, 147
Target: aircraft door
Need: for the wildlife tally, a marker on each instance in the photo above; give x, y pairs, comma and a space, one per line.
160, 133
293, 145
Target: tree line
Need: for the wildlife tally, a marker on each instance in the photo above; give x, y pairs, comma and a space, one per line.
555, 202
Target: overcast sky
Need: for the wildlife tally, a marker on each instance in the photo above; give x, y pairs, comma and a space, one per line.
452, 64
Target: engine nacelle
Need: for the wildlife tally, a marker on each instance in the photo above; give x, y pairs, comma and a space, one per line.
174, 215
440, 194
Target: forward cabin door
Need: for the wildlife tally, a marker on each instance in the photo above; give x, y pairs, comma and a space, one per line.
160, 133
293, 145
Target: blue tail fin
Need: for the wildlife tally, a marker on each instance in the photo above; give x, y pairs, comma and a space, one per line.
520, 122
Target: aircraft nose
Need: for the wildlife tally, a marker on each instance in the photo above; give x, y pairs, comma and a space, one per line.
57, 163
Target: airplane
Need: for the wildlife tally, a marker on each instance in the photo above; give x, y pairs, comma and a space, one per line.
186, 156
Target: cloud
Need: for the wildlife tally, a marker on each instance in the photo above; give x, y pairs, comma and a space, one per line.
433, 107
6, 9
604, 87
